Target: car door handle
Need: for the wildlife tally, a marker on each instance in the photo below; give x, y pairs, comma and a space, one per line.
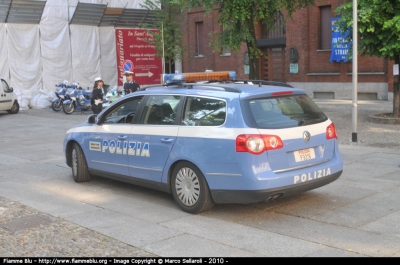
122, 137
167, 140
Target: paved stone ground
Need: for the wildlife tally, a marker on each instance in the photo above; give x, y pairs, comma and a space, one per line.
368, 133
25, 232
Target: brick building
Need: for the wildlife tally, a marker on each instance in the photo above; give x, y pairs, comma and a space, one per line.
308, 32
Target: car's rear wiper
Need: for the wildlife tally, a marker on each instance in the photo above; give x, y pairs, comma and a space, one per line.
301, 123
309, 121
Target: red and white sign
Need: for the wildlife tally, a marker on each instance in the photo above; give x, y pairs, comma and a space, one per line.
136, 55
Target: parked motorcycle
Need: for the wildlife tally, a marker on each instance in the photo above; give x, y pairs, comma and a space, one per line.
77, 99
56, 103
112, 95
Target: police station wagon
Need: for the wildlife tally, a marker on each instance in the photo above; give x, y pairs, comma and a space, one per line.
206, 143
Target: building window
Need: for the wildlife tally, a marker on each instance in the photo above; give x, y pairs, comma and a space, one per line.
199, 39
325, 26
278, 30
226, 51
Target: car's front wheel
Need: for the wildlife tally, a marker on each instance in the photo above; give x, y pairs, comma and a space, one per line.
190, 188
14, 109
80, 171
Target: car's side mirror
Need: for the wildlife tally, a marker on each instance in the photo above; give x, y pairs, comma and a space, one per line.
11, 89
92, 119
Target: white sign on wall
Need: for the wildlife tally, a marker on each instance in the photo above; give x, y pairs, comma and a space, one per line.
294, 68
395, 69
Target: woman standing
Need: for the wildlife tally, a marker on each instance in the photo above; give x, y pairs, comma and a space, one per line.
97, 96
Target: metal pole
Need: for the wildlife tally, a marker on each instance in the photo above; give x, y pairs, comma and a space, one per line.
162, 37
355, 73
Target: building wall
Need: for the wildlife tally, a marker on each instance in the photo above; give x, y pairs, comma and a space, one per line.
303, 33
212, 60
315, 73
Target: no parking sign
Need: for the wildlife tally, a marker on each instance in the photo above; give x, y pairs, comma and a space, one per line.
127, 65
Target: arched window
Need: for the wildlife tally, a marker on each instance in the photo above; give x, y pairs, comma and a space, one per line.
276, 31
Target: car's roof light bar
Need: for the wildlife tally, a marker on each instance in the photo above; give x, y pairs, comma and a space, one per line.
198, 77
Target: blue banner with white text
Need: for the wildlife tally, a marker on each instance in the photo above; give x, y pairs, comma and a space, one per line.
340, 48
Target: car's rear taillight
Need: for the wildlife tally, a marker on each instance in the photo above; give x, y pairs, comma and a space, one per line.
257, 143
272, 142
331, 132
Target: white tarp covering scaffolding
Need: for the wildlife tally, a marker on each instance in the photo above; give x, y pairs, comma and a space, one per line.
108, 62
85, 54
4, 66
25, 60
34, 58
55, 44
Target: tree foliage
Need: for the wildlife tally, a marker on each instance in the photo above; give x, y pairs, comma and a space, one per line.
378, 26
239, 17
378, 23
168, 22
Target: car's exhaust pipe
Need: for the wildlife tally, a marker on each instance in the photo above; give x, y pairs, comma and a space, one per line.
275, 196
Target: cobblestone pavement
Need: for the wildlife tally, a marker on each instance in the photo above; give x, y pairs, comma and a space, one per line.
25, 232
368, 133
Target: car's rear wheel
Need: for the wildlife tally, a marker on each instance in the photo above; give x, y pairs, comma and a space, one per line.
68, 108
80, 171
56, 106
190, 189
14, 109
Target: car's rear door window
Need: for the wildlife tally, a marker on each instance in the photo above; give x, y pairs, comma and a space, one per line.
285, 111
199, 111
160, 109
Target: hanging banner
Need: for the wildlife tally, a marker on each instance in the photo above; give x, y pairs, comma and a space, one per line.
339, 49
135, 54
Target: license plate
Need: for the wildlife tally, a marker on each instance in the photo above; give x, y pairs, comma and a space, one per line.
304, 155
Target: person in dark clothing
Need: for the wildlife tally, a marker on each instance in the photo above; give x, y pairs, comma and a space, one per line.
97, 96
131, 85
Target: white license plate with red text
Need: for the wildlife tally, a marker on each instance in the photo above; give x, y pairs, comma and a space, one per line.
304, 155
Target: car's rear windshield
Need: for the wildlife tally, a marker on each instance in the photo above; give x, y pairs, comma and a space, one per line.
284, 112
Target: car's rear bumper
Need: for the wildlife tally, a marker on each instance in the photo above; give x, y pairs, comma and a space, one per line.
252, 196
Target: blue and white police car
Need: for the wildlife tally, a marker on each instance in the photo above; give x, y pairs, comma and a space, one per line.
205, 143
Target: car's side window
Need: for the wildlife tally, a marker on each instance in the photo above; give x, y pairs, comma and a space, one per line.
200, 111
160, 109
5, 86
124, 113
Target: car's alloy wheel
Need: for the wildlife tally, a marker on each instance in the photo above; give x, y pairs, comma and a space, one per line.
187, 186
190, 189
79, 167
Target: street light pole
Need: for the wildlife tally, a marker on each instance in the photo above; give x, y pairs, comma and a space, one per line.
355, 73
163, 56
